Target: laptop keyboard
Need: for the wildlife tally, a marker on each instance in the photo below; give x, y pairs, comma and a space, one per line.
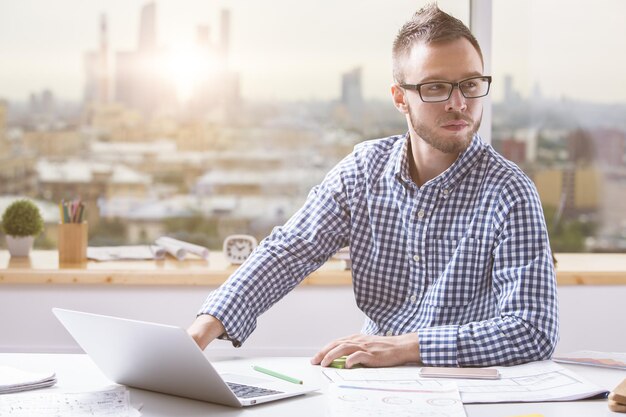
249, 391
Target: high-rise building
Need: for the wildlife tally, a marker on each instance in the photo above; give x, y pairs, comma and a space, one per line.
224, 42
103, 62
141, 83
97, 70
570, 189
147, 28
216, 92
139, 80
203, 37
42, 107
351, 93
125, 77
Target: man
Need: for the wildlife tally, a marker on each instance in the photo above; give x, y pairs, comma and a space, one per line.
450, 255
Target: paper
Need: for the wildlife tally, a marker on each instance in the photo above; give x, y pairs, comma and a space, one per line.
118, 253
371, 400
173, 249
531, 382
613, 360
114, 402
16, 380
177, 248
201, 251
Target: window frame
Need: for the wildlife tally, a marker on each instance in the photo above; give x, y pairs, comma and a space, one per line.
481, 25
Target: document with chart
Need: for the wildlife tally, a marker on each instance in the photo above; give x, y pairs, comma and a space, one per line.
531, 382
380, 400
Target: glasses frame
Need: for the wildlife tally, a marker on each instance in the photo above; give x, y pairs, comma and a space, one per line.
417, 88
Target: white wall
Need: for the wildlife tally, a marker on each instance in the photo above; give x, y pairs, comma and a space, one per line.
298, 325
303, 321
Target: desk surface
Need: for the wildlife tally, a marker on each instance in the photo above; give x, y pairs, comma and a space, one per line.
76, 371
43, 267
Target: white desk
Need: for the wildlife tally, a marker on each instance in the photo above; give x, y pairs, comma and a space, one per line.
77, 371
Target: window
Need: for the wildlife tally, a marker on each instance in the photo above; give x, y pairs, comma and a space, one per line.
559, 112
196, 119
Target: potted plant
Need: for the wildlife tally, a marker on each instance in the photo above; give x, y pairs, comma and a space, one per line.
22, 222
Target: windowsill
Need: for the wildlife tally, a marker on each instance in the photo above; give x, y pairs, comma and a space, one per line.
42, 267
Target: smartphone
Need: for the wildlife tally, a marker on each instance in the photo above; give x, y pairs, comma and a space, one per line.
472, 373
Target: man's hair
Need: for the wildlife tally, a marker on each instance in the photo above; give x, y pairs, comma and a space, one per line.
428, 25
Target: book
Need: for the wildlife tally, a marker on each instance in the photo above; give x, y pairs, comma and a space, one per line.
614, 360
17, 380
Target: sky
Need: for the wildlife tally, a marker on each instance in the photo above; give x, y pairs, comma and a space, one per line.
291, 50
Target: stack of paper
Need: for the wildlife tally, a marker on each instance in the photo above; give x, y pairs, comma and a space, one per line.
16, 380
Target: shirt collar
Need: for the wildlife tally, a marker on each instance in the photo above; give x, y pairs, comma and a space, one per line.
401, 167
451, 176
463, 164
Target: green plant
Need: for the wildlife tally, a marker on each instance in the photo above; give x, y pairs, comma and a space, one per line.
22, 218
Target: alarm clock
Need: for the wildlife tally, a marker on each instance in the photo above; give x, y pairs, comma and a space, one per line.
237, 248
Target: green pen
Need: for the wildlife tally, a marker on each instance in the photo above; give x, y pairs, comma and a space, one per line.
277, 375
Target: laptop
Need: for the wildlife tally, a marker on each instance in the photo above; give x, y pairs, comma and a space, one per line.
166, 359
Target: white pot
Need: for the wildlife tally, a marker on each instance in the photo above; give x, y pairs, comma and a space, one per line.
20, 245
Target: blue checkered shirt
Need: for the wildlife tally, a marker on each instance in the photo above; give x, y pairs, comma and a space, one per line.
464, 260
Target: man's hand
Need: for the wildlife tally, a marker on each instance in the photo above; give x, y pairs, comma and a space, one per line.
373, 351
205, 329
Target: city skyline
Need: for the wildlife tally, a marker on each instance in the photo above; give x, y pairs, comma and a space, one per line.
295, 62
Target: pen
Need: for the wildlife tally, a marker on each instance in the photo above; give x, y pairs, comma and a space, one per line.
277, 375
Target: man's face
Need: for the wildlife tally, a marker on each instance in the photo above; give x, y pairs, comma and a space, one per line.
447, 126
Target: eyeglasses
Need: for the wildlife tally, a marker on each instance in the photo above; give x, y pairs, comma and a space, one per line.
434, 92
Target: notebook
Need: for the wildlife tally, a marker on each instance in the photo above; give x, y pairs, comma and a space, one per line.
166, 359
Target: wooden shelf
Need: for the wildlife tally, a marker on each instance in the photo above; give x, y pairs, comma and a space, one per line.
591, 268
42, 267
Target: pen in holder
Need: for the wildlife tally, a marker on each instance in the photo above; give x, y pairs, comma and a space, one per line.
73, 242
72, 232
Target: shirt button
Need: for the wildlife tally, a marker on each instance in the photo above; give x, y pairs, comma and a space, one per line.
389, 333
413, 298
420, 214
445, 191
416, 258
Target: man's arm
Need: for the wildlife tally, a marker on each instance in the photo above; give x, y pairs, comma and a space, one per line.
524, 286
205, 329
281, 261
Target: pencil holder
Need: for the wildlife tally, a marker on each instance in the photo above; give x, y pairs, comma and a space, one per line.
73, 242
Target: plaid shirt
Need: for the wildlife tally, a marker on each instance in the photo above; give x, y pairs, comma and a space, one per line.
464, 260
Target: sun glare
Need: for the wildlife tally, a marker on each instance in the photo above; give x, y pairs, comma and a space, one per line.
189, 67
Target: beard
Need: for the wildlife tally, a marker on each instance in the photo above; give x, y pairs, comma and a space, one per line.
438, 141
